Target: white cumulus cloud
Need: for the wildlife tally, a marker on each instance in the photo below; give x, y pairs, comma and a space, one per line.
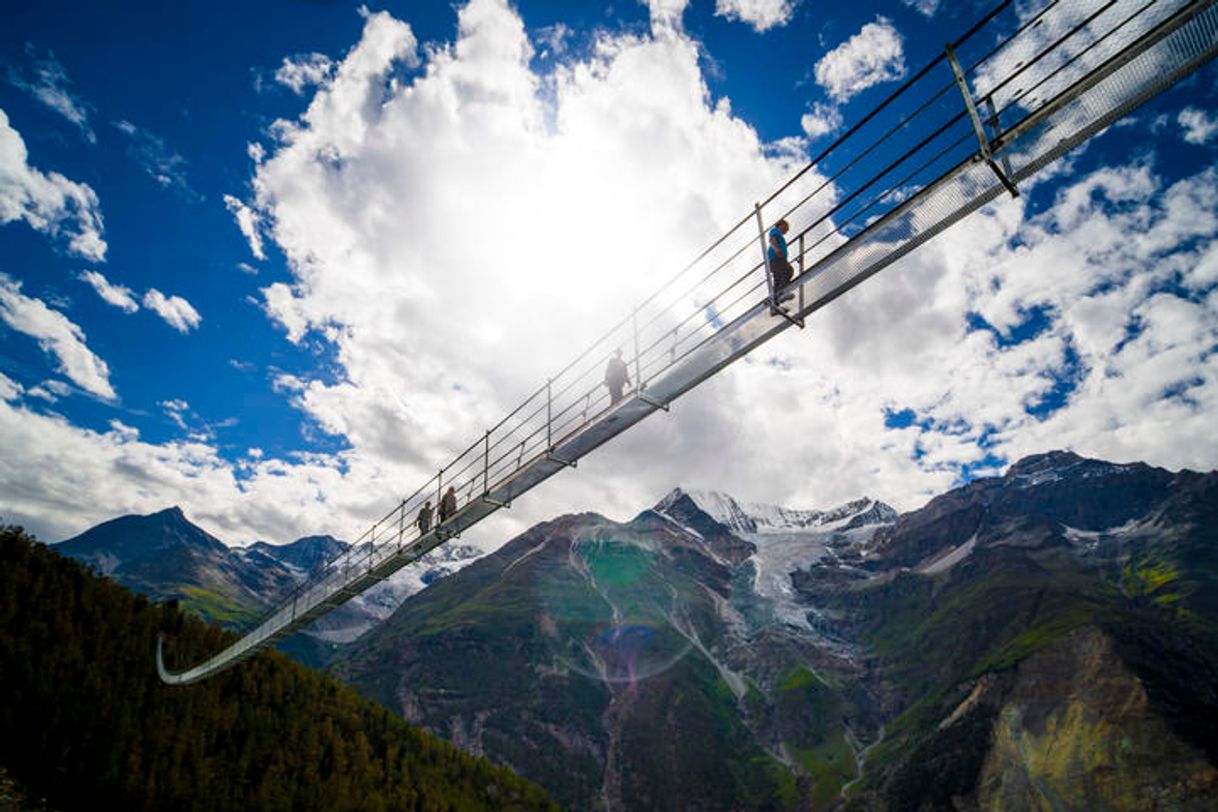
9, 389
666, 14
176, 311
305, 71
453, 195
248, 221
117, 295
174, 409
927, 7
57, 336
1199, 126
123, 474
762, 15
874, 55
821, 120
47, 202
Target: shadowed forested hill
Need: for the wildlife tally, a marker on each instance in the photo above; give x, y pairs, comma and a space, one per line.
85, 722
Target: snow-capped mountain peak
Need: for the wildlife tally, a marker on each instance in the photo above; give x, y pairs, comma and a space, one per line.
755, 517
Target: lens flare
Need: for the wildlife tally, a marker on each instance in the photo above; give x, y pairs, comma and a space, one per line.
608, 615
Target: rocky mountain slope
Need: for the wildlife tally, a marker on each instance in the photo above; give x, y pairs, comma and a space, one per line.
637, 665
1045, 639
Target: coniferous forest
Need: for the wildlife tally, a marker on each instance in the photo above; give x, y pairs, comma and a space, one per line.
86, 722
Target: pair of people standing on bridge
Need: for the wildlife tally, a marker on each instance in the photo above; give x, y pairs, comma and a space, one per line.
448, 508
781, 271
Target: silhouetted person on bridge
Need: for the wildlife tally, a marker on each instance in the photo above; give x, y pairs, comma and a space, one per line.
448, 505
617, 378
423, 520
776, 257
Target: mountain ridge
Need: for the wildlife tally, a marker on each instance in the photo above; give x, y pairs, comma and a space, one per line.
757, 517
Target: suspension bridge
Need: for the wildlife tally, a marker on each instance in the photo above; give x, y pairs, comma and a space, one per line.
1004, 100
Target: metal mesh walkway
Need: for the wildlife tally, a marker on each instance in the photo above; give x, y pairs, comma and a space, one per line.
1003, 101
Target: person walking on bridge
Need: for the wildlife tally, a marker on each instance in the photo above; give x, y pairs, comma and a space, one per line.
448, 505
617, 377
423, 520
776, 257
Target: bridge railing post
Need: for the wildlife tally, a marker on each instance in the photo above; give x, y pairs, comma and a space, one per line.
401, 523
765, 256
638, 369
801, 271
371, 543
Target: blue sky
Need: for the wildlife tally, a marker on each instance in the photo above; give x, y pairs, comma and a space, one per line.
298, 374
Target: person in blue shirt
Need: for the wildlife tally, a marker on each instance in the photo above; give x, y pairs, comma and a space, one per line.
776, 256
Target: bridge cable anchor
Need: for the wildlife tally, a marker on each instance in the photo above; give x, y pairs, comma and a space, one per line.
552, 457
652, 402
778, 310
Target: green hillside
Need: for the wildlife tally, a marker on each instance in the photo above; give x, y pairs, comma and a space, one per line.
87, 723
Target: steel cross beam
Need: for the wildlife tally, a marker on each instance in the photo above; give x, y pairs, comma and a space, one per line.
983, 142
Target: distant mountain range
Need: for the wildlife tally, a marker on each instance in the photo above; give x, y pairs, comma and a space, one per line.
165, 556
1044, 639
